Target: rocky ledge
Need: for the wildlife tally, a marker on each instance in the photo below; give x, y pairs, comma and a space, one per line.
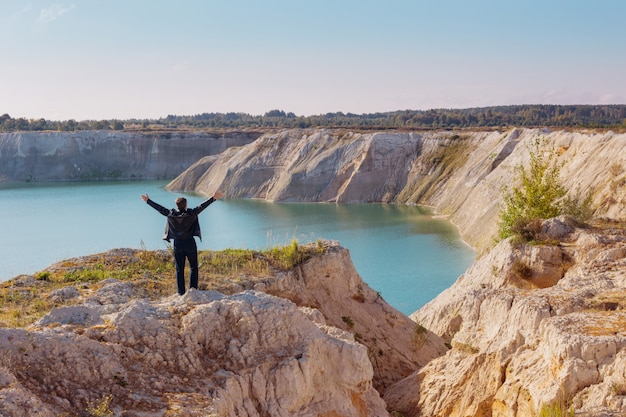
529, 329
248, 354
532, 327
322, 348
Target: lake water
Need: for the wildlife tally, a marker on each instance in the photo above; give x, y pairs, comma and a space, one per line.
400, 251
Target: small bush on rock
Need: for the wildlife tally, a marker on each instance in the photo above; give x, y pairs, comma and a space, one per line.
539, 195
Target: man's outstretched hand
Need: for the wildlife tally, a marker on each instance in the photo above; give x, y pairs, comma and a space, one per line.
218, 195
145, 197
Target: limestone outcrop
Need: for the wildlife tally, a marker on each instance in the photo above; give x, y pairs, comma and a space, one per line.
461, 175
530, 327
208, 353
249, 354
108, 155
397, 346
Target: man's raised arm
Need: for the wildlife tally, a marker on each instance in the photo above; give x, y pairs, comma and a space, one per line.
156, 206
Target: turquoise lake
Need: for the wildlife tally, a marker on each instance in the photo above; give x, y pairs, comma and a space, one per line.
400, 251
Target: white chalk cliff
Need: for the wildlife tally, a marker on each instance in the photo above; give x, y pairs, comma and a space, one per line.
523, 339
460, 174
112, 155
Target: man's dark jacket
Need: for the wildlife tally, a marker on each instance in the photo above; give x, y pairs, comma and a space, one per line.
181, 224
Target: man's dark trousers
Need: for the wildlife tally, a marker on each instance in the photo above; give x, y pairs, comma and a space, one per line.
186, 249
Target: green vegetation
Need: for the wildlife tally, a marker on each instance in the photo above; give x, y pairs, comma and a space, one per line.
536, 197
465, 347
101, 409
285, 257
348, 320
616, 185
590, 116
539, 195
557, 409
420, 336
24, 300
445, 160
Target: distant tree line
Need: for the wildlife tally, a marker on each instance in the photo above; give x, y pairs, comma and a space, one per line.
589, 116
9, 124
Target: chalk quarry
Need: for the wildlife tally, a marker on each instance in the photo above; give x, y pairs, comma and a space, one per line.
526, 328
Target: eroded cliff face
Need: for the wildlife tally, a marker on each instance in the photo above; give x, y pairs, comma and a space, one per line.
462, 175
397, 346
212, 354
105, 155
531, 327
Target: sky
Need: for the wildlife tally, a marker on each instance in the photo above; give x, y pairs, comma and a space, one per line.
125, 59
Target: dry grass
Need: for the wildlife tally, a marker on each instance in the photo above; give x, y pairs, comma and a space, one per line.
612, 226
26, 298
614, 300
605, 323
521, 269
445, 160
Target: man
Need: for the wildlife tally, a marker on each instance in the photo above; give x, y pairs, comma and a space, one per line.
182, 225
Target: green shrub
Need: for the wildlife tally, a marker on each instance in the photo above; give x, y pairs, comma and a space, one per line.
43, 276
420, 335
539, 195
90, 274
348, 321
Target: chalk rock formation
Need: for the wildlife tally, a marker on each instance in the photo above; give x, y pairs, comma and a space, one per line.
530, 327
249, 354
330, 283
462, 175
323, 347
314, 165
98, 155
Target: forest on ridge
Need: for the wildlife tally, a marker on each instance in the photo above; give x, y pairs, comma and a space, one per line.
561, 116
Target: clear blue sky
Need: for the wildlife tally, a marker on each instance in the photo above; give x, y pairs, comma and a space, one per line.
86, 59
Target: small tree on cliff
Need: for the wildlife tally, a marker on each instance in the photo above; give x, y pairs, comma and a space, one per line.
539, 195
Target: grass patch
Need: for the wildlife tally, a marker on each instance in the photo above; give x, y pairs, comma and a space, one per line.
25, 299
420, 335
557, 409
465, 347
348, 320
604, 323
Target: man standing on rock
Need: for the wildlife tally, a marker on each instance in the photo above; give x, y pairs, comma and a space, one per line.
182, 225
